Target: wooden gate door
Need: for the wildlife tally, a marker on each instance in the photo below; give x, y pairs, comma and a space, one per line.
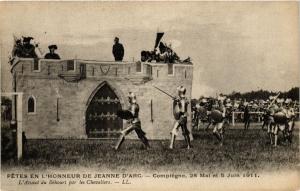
101, 114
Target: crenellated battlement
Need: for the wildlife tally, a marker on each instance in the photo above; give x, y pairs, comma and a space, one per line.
74, 70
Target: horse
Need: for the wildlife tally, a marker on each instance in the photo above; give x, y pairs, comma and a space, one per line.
281, 120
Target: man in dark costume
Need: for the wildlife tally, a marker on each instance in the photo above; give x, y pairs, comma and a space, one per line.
134, 123
246, 117
17, 50
28, 50
52, 54
180, 114
118, 50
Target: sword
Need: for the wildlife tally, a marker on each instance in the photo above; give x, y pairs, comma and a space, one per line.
164, 92
273, 100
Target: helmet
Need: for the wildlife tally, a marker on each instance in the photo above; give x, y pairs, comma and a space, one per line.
181, 91
204, 100
132, 97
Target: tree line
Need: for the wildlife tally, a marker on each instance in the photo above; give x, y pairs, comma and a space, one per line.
293, 94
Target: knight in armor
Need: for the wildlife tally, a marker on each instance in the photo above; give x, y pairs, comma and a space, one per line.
118, 50
285, 122
219, 112
290, 114
201, 113
269, 118
180, 104
52, 54
134, 123
269, 122
279, 125
277, 120
28, 50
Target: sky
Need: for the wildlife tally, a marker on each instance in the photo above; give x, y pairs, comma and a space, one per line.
234, 46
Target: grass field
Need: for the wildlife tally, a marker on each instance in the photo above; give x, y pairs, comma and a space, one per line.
242, 151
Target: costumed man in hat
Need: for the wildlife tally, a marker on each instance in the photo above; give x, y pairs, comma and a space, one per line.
17, 52
51, 54
28, 50
180, 104
18, 48
118, 50
218, 116
134, 123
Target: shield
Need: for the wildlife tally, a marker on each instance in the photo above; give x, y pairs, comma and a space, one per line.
216, 116
280, 118
124, 114
104, 69
202, 112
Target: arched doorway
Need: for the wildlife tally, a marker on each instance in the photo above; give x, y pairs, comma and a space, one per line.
101, 114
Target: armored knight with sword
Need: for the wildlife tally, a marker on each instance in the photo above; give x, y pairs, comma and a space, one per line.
180, 104
132, 117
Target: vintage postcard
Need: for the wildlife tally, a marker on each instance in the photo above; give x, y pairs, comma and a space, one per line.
169, 95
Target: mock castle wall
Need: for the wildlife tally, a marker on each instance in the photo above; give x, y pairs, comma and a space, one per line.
62, 93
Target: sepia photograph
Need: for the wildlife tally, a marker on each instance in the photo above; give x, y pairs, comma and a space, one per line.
161, 95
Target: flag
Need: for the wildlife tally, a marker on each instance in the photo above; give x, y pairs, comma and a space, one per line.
159, 35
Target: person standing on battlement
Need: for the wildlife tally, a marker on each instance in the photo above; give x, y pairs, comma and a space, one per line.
118, 50
28, 50
52, 54
17, 49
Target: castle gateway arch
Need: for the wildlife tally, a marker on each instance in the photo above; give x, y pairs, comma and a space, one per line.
101, 114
